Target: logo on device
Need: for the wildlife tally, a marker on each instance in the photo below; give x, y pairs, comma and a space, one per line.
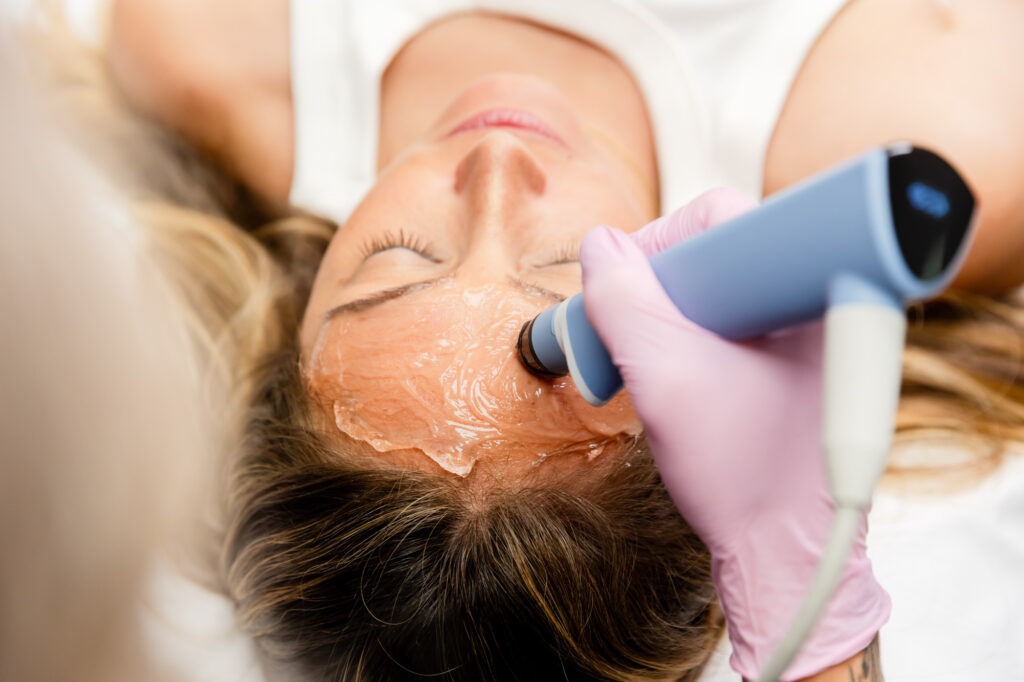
928, 200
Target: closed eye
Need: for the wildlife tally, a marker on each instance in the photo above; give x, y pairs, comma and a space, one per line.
399, 239
568, 253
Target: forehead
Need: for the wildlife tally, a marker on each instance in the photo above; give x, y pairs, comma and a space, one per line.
448, 329
435, 373
441, 315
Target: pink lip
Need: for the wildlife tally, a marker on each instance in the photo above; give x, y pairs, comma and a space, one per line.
508, 118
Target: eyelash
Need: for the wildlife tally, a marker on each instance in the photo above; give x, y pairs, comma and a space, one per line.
568, 253
399, 240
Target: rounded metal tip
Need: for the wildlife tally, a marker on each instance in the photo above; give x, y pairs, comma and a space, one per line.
527, 355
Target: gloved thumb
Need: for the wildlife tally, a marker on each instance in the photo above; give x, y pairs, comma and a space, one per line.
625, 302
710, 209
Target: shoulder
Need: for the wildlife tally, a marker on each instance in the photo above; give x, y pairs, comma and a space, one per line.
217, 72
165, 50
935, 74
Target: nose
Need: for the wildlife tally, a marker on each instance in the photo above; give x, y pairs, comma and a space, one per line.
496, 181
497, 174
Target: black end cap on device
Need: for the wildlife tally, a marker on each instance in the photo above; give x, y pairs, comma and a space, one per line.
932, 209
528, 356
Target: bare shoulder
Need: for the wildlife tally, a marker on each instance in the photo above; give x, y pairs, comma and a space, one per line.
945, 75
218, 72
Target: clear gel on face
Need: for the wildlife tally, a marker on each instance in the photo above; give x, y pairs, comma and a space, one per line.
435, 372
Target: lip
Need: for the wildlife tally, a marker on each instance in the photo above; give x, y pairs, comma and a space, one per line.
508, 118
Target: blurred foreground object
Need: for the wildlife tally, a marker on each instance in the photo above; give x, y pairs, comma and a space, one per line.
101, 438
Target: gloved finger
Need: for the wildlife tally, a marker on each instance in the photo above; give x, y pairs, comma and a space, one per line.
625, 302
712, 208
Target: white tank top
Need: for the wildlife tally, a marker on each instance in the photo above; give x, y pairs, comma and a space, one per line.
714, 74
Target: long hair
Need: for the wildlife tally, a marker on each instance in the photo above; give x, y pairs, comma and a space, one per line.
962, 402
344, 572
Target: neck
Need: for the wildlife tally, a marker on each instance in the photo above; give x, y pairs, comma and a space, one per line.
432, 68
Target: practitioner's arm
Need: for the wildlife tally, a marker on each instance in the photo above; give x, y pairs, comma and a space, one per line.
217, 71
943, 75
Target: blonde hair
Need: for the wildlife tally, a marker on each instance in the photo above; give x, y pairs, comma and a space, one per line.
963, 392
244, 275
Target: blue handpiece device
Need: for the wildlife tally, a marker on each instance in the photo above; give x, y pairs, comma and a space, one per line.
889, 227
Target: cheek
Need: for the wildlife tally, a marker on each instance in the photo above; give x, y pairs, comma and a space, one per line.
441, 377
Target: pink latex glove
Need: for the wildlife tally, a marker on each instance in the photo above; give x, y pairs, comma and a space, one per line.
735, 429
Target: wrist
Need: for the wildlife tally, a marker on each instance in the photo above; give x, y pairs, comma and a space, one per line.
865, 666
762, 585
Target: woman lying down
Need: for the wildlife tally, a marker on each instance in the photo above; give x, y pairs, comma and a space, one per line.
411, 502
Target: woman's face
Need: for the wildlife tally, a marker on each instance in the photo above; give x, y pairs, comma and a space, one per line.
408, 340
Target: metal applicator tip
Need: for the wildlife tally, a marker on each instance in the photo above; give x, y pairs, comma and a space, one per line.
528, 356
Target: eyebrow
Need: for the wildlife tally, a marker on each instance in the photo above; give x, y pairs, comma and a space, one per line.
379, 297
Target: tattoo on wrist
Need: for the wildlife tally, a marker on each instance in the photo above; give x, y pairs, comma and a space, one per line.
869, 667
864, 667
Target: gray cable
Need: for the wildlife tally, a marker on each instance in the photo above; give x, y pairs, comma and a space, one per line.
830, 568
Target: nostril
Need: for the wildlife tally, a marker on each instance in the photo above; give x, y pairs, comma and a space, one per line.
536, 178
501, 157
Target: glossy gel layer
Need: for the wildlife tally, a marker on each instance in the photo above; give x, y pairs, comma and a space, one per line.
435, 372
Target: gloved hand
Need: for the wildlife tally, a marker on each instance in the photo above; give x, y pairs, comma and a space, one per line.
735, 429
